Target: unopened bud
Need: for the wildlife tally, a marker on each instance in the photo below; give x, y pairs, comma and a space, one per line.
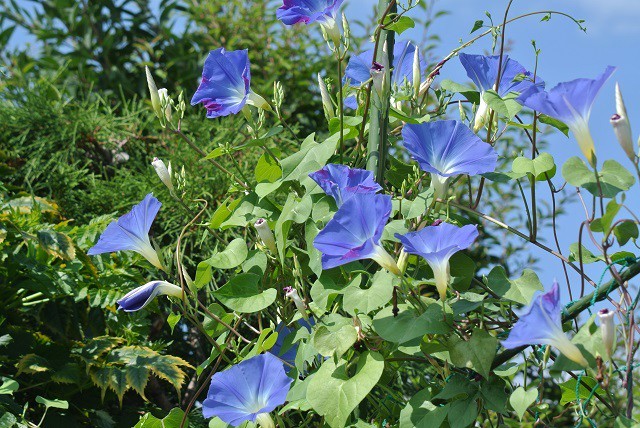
153, 92
327, 104
266, 235
292, 294
622, 127
416, 73
377, 75
608, 330
165, 102
163, 172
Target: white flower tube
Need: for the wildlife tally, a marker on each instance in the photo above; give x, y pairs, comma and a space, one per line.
266, 235
163, 172
622, 127
608, 330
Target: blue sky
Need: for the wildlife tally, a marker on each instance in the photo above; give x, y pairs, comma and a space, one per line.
612, 38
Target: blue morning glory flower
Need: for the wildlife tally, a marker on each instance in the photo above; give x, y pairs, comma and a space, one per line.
541, 324
131, 232
570, 102
283, 331
358, 69
436, 244
248, 391
342, 182
483, 71
354, 232
140, 297
447, 148
225, 86
308, 11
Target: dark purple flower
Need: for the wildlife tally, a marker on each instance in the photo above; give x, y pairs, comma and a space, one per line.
541, 324
225, 86
248, 391
308, 11
342, 182
131, 232
354, 232
483, 70
570, 102
447, 148
436, 244
140, 297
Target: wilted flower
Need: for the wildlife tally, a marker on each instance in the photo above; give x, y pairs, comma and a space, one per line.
248, 391
354, 233
622, 127
163, 172
225, 86
541, 324
570, 102
447, 148
608, 330
483, 71
436, 244
140, 297
342, 182
266, 235
131, 232
359, 68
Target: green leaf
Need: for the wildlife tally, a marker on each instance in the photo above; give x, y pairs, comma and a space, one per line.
560, 126
359, 300
408, 326
295, 210
172, 420
57, 244
420, 204
400, 25
231, 257
242, 294
311, 157
53, 404
203, 275
334, 395
267, 169
476, 353
587, 256
505, 107
521, 399
462, 413
625, 231
32, 363
398, 172
589, 341
137, 378
568, 389
8, 387
536, 167
614, 178
335, 341
477, 25
421, 413
519, 290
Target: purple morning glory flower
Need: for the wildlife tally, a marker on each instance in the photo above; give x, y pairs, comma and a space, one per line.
436, 244
140, 297
308, 11
541, 324
446, 148
359, 67
248, 391
342, 182
131, 232
225, 86
570, 102
483, 71
354, 232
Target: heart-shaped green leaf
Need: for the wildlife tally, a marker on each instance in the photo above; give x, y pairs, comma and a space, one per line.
521, 399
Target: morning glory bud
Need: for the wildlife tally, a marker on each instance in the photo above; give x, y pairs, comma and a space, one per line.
153, 92
163, 172
266, 235
165, 102
327, 105
622, 127
608, 330
416, 73
292, 294
140, 297
377, 75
